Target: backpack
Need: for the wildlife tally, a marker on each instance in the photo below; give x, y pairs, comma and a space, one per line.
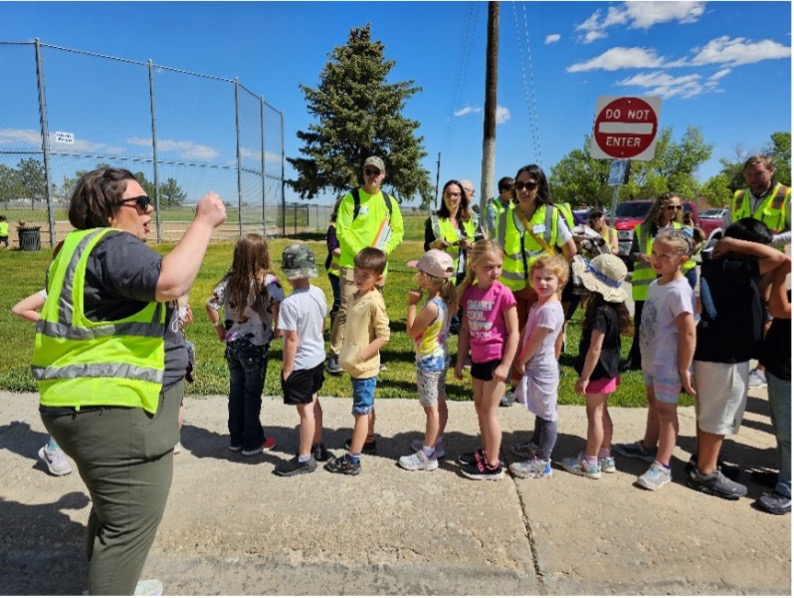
357, 202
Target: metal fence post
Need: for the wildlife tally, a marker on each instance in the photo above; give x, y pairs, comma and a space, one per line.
154, 151
45, 139
262, 153
239, 156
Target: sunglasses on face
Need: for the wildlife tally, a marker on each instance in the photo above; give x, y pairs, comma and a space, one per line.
142, 202
519, 186
675, 207
371, 172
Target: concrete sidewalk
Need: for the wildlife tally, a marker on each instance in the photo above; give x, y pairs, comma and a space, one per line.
232, 527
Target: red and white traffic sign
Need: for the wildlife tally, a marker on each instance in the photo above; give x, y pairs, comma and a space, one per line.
625, 127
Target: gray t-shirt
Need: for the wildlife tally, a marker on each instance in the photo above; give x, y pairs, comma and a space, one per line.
304, 312
658, 330
121, 279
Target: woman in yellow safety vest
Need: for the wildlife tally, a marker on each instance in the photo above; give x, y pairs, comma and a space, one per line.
595, 220
453, 228
110, 361
666, 211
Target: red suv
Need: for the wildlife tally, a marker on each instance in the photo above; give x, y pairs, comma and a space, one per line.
629, 214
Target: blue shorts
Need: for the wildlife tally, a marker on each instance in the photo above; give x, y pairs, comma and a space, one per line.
666, 389
363, 394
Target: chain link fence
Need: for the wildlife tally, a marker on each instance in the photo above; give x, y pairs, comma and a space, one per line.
63, 112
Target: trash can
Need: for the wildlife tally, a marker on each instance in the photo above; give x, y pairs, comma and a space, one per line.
29, 238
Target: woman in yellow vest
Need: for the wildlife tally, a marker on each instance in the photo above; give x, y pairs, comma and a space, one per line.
110, 361
666, 211
453, 228
595, 220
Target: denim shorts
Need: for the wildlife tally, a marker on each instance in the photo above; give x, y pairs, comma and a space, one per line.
363, 394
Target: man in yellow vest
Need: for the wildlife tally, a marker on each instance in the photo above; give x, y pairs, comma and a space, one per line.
768, 201
367, 217
497, 205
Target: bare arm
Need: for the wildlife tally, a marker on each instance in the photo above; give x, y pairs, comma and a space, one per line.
529, 350
416, 325
215, 320
590, 361
290, 349
180, 267
27, 309
685, 322
769, 258
463, 346
779, 304
502, 371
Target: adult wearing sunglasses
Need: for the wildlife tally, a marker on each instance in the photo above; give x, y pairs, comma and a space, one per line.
367, 217
595, 220
666, 211
532, 227
110, 362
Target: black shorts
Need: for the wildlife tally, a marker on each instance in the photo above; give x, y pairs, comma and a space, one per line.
299, 387
484, 371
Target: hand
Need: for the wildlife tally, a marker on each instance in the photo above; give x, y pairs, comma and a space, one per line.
285, 374
686, 382
441, 243
645, 258
581, 384
459, 371
211, 210
187, 320
723, 247
501, 372
221, 332
414, 296
519, 366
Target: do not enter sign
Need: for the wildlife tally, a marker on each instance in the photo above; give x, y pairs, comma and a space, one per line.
625, 127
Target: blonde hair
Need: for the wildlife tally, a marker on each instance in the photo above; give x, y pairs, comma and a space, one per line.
553, 263
446, 289
678, 239
480, 249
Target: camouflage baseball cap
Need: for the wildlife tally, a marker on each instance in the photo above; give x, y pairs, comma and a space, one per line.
297, 261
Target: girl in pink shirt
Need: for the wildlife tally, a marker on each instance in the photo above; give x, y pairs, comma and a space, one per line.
490, 329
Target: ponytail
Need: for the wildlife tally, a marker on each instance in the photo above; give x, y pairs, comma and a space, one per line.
449, 294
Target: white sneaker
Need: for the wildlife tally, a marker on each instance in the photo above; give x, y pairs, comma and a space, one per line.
656, 477
56, 461
418, 461
178, 448
418, 445
149, 587
757, 379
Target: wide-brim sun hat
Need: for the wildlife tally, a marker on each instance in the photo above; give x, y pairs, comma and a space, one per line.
435, 263
603, 274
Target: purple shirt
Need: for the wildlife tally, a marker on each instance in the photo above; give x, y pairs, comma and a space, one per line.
484, 312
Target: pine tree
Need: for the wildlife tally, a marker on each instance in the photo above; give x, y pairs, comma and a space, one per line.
358, 115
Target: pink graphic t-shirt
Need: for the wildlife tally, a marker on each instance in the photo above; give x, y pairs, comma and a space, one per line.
484, 312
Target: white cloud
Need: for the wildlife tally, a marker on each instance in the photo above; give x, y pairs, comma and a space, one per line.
664, 85
619, 58
189, 150
553, 38
467, 110
26, 136
639, 15
725, 50
257, 155
502, 115
592, 36
719, 74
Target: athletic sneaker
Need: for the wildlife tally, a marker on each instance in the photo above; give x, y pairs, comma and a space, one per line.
295, 467
320, 453
344, 465
149, 587
178, 448
508, 399
757, 380
268, 444
635, 450
532, 469
482, 471
55, 461
235, 448
418, 461
715, 483
729, 471
607, 465
775, 503
418, 445
332, 365
369, 448
655, 478
525, 450
471, 458
578, 466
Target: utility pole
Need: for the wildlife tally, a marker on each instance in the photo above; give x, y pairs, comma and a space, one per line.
438, 174
489, 122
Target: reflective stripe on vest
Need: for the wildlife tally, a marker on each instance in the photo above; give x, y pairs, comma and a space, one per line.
643, 274
517, 264
79, 363
771, 211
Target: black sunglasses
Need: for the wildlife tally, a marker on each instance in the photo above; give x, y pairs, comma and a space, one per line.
520, 186
143, 202
369, 172
675, 207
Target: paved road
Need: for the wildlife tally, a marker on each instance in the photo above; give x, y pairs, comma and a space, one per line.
232, 527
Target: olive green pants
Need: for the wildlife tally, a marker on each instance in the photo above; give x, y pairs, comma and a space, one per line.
125, 457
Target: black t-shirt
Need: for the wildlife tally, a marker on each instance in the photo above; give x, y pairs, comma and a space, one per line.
731, 321
606, 321
776, 348
121, 279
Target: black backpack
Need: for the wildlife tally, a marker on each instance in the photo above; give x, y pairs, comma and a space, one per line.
357, 202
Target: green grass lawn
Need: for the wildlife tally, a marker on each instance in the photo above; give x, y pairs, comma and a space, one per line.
24, 274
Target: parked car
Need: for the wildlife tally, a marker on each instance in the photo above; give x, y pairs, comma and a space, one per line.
712, 219
630, 213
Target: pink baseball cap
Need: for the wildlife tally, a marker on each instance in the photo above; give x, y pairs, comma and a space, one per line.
435, 263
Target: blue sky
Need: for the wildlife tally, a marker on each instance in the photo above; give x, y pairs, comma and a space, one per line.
722, 66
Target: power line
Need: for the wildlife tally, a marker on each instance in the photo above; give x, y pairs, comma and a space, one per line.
528, 81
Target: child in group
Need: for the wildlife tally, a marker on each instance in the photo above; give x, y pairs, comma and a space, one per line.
537, 389
667, 343
606, 317
489, 327
249, 295
366, 332
51, 454
300, 321
430, 329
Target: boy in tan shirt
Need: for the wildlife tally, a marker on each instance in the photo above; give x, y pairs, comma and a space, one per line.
366, 332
